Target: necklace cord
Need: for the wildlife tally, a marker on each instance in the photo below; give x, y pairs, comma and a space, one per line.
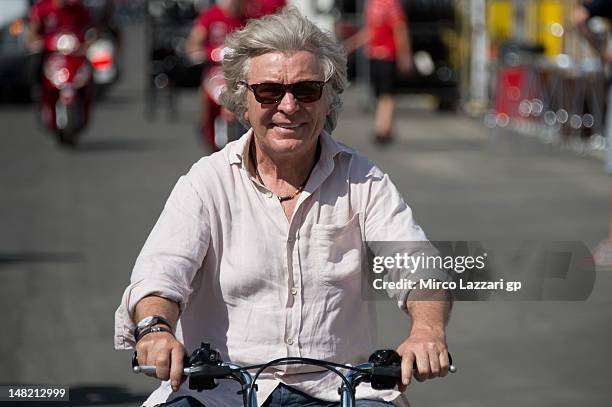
284, 198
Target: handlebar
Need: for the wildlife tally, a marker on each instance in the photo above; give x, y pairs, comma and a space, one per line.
204, 367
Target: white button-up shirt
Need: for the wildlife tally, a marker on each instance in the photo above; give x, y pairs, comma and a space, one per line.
257, 287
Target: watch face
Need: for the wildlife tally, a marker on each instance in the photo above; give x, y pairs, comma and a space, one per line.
144, 322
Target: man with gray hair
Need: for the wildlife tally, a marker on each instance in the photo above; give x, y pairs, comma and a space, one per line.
259, 248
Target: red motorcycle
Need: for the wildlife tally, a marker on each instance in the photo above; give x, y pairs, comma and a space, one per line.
66, 87
220, 125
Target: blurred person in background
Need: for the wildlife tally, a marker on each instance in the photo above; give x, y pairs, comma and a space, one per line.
212, 26
388, 49
48, 17
260, 8
104, 15
214, 23
207, 35
580, 18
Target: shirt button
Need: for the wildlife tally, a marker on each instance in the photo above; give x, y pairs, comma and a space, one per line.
289, 341
294, 290
269, 194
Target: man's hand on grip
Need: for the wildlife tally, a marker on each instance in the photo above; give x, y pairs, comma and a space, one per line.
161, 349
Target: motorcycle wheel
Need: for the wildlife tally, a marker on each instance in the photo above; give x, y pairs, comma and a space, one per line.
67, 135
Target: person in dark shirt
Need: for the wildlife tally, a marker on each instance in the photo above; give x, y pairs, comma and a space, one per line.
580, 19
388, 48
601, 8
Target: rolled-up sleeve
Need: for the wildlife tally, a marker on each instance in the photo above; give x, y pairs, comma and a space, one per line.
170, 258
390, 219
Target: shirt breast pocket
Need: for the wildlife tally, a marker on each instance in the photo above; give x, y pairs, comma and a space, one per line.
339, 252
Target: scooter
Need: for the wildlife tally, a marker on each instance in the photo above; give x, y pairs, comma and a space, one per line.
220, 125
66, 87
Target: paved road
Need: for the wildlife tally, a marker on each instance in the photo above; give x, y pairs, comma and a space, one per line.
72, 223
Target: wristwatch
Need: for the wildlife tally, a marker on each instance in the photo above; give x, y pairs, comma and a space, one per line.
150, 321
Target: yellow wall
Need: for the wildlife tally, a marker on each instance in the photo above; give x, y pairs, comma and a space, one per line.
500, 20
552, 26
544, 22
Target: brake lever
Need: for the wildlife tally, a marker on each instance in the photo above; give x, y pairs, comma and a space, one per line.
451, 366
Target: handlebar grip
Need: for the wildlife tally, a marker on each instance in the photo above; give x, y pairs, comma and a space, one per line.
206, 371
387, 371
151, 370
210, 371
136, 368
451, 366
395, 371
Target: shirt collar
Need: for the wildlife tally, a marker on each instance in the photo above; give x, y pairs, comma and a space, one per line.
239, 151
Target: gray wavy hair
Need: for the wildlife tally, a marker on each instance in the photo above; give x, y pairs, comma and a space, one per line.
287, 32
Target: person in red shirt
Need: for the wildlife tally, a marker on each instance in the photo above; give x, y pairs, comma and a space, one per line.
260, 8
388, 48
47, 17
203, 46
212, 26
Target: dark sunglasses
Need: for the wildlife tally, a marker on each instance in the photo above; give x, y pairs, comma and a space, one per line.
269, 92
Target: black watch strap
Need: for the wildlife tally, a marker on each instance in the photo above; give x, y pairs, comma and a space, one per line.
152, 329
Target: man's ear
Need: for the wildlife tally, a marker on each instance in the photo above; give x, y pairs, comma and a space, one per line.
246, 116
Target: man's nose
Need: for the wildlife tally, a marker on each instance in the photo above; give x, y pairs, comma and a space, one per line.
288, 103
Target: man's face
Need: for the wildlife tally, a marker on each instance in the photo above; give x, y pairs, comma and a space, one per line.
289, 126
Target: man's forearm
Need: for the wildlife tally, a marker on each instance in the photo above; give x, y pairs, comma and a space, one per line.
429, 309
357, 41
160, 349
195, 40
402, 39
425, 347
154, 305
33, 37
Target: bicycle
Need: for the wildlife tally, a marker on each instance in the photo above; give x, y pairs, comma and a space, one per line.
204, 367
